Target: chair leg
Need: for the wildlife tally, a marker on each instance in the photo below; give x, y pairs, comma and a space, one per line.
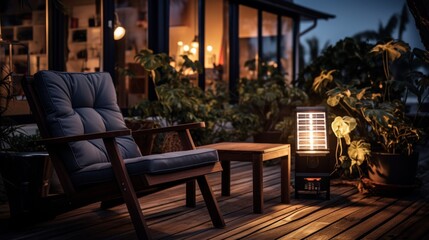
136, 215
127, 189
211, 202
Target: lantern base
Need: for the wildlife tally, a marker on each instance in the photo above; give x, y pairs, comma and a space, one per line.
312, 185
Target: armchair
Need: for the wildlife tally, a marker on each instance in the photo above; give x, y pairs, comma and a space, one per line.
95, 155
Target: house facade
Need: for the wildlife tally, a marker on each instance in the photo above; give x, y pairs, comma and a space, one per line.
79, 36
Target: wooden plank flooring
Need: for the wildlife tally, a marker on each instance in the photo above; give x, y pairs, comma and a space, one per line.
347, 215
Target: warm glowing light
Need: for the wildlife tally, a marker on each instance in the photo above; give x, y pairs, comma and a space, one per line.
193, 50
194, 44
180, 43
311, 129
119, 33
186, 48
311, 138
209, 48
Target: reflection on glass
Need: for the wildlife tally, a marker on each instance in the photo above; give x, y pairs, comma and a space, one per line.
84, 36
119, 31
132, 15
248, 39
269, 38
22, 50
184, 36
286, 57
26, 24
183, 30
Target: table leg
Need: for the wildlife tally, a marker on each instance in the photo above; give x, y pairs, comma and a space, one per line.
258, 199
285, 179
226, 178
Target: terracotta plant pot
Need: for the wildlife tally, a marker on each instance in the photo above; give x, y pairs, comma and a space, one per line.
393, 169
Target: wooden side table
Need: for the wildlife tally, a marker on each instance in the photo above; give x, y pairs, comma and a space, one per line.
256, 153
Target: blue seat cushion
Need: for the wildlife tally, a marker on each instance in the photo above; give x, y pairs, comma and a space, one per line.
151, 164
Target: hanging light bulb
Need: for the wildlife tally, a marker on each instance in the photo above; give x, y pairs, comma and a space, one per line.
119, 31
186, 48
194, 42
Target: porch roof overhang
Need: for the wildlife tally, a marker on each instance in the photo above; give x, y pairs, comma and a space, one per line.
284, 7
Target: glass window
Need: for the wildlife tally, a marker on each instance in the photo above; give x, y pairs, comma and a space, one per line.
269, 37
22, 47
26, 24
83, 36
132, 16
183, 37
215, 39
286, 58
248, 39
183, 30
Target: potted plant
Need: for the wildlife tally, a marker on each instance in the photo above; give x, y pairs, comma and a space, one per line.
22, 162
265, 104
371, 112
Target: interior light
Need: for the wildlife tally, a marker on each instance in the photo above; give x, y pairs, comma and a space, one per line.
194, 42
119, 31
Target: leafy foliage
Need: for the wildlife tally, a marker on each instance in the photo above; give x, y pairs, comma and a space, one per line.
179, 101
6, 89
16, 140
12, 137
8, 129
377, 99
265, 101
367, 86
350, 60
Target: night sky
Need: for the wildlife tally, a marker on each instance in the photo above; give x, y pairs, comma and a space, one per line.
353, 16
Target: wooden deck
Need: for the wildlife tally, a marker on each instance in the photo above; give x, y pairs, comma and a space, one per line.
347, 215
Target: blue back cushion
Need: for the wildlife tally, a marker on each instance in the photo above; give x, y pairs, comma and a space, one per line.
81, 103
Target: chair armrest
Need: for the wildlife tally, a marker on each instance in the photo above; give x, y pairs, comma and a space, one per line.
176, 128
84, 137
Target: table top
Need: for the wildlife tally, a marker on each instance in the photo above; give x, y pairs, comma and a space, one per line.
247, 147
